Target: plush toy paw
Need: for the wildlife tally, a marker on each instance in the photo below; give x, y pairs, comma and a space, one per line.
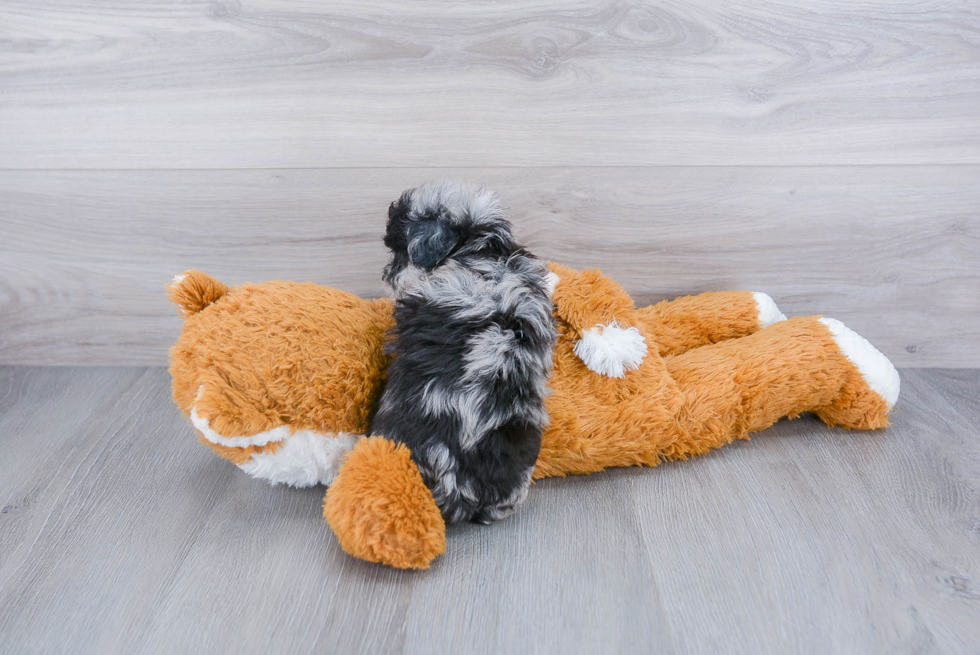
768, 311
611, 350
872, 387
381, 510
552, 280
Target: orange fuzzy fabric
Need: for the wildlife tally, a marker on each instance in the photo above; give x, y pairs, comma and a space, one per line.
310, 357
282, 353
692, 321
588, 298
194, 290
239, 455
381, 510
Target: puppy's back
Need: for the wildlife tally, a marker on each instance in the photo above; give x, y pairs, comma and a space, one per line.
472, 348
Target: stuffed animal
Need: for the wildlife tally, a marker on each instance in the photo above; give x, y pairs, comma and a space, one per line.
281, 379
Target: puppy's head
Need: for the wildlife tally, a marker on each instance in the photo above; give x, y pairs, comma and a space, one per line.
441, 222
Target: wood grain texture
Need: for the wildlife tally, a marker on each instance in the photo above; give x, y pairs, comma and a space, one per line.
267, 83
894, 252
120, 533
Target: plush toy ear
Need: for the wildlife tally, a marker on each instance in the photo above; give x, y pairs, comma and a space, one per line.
381, 510
430, 242
192, 291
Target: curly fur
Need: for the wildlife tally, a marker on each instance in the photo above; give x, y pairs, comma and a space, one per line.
472, 345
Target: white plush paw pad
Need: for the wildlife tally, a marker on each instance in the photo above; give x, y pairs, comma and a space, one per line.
611, 350
877, 370
551, 279
305, 459
768, 311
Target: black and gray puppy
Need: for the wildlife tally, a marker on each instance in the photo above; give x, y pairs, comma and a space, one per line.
472, 345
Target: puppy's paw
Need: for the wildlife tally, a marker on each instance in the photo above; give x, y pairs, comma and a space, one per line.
611, 350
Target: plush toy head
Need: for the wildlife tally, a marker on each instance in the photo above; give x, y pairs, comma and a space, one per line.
280, 378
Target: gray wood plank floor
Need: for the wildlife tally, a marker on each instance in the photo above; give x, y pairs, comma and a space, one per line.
120, 533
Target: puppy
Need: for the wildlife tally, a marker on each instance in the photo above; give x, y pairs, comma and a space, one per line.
472, 345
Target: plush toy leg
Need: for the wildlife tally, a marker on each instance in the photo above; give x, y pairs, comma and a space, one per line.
803, 364
723, 392
854, 407
381, 510
693, 321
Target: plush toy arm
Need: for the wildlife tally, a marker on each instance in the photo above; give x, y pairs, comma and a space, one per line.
693, 321
603, 317
381, 510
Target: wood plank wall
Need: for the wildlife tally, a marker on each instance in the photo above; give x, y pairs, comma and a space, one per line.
827, 152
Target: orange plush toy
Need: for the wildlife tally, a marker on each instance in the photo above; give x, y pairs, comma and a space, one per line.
281, 378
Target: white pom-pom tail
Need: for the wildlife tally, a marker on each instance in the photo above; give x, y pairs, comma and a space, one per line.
611, 350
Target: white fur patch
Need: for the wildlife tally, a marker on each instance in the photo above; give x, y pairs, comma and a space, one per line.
179, 278
876, 369
305, 459
768, 311
552, 280
611, 350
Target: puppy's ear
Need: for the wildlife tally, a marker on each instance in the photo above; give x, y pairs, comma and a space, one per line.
394, 237
430, 242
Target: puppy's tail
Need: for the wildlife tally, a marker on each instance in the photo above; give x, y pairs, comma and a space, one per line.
192, 291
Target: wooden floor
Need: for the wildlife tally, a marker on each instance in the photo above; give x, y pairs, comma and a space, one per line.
119, 533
